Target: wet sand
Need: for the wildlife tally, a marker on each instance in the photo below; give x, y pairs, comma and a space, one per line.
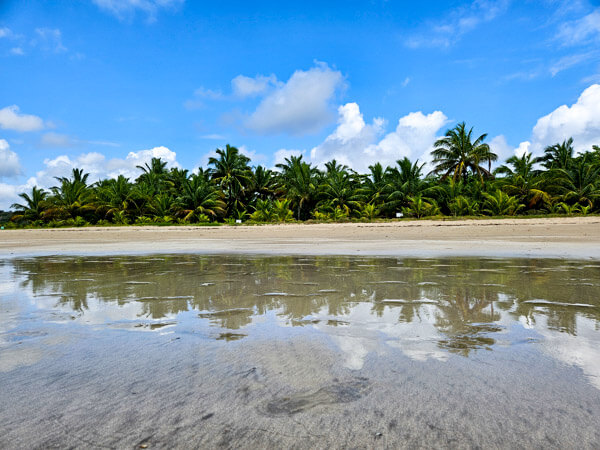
209, 351
577, 237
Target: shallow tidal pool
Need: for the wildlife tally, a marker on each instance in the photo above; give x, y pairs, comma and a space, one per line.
299, 352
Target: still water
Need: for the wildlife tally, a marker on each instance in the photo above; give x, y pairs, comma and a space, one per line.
251, 351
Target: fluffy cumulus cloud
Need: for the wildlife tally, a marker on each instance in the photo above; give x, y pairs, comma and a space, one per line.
581, 121
501, 147
124, 9
11, 119
350, 141
9, 161
358, 144
302, 105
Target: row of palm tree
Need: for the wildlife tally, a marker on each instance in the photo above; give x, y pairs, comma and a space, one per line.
462, 183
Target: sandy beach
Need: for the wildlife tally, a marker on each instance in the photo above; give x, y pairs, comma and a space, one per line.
573, 237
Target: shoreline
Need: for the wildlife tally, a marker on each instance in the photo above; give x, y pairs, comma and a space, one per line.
568, 237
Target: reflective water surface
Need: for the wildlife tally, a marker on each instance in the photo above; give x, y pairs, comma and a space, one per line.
187, 350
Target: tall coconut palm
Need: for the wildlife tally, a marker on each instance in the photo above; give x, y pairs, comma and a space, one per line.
113, 196
523, 181
156, 166
72, 198
177, 177
558, 156
263, 183
233, 175
403, 182
374, 184
300, 183
339, 188
456, 154
34, 206
581, 183
200, 196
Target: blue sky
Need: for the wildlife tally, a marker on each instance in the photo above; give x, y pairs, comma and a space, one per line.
107, 84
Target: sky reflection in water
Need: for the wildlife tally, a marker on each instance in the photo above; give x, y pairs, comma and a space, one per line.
427, 308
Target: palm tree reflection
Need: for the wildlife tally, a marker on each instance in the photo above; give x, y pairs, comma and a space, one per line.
468, 297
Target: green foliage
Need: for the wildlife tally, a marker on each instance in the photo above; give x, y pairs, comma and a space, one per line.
501, 204
229, 189
369, 211
419, 207
457, 155
463, 206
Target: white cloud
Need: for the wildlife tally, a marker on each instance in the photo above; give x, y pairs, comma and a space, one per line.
569, 61
349, 142
244, 86
123, 9
214, 136
17, 51
200, 95
459, 22
582, 30
355, 143
500, 147
5, 32
50, 39
10, 119
9, 161
255, 157
406, 81
282, 154
300, 106
57, 140
9, 193
522, 149
581, 121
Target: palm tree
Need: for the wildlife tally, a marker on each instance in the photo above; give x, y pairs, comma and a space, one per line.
162, 206
177, 177
199, 196
420, 206
72, 198
402, 183
458, 155
113, 197
581, 182
34, 206
500, 204
233, 175
299, 181
463, 206
156, 166
523, 181
263, 183
558, 156
373, 185
339, 188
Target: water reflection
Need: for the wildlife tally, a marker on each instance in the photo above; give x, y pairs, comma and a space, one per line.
429, 308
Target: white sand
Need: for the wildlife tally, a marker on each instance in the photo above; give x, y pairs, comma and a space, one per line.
577, 237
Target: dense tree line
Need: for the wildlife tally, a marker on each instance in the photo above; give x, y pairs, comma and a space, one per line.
462, 183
